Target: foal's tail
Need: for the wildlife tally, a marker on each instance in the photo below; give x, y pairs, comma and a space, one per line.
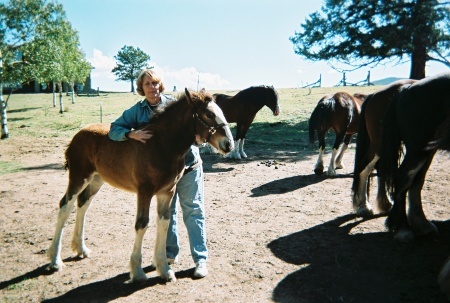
391, 147
362, 146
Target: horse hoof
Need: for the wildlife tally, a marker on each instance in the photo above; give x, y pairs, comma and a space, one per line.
135, 279
54, 268
364, 212
318, 171
331, 173
405, 236
429, 230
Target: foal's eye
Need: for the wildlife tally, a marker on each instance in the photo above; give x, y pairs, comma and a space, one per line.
210, 115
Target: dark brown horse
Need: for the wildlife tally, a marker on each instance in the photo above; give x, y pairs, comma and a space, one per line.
340, 112
242, 108
419, 117
368, 145
150, 169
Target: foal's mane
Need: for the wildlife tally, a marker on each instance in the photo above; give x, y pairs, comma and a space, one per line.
199, 99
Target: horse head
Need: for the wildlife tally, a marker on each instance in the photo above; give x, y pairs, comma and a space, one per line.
272, 100
210, 125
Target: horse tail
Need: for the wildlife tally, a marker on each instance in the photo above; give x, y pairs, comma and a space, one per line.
313, 126
391, 147
362, 146
320, 116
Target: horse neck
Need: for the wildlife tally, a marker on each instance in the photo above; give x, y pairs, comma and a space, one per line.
174, 130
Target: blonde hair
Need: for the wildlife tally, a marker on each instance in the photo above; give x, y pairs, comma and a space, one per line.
153, 76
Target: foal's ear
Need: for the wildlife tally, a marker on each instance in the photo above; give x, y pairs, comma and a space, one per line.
188, 96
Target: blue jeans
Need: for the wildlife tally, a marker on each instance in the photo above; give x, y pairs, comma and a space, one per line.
190, 193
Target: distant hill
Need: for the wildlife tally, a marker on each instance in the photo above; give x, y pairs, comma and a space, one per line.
386, 81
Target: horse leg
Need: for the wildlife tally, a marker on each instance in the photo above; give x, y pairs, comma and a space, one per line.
444, 278
332, 167
416, 216
234, 154
347, 139
84, 201
65, 208
318, 168
144, 195
361, 206
382, 201
162, 226
243, 132
241, 149
397, 220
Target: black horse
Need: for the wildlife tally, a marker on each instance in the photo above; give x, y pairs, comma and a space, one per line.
420, 118
242, 109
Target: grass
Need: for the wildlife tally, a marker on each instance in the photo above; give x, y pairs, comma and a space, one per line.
33, 115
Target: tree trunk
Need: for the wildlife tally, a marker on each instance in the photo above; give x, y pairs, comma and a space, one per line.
73, 93
61, 105
418, 58
54, 93
132, 86
419, 40
5, 133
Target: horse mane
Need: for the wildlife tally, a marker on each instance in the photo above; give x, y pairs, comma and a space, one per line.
172, 105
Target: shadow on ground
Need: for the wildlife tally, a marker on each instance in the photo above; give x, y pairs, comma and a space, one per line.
340, 267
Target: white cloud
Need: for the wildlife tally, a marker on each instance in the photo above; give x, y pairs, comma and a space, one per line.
103, 65
189, 77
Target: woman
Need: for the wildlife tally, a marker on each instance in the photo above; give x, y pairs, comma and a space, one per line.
189, 189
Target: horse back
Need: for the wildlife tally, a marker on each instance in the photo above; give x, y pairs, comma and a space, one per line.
125, 165
426, 103
230, 107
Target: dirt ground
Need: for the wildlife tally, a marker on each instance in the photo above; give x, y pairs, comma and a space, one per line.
276, 233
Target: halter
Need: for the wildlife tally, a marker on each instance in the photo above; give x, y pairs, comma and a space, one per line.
211, 129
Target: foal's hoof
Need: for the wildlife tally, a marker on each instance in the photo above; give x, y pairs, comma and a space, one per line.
169, 276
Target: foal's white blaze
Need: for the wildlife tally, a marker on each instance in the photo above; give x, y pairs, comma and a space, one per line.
220, 118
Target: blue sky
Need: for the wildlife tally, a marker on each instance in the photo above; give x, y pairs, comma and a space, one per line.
219, 45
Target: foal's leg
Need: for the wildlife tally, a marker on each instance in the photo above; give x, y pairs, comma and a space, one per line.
144, 195
344, 148
416, 216
65, 208
162, 225
84, 201
361, 206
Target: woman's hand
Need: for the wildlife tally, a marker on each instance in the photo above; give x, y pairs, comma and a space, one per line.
140, 135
